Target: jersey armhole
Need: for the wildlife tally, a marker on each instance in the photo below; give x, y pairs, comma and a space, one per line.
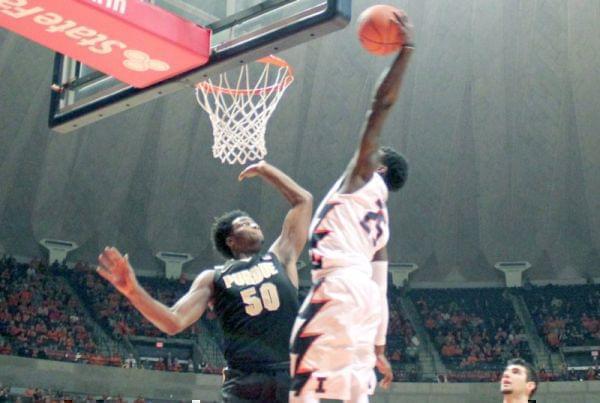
285, 272
218, 273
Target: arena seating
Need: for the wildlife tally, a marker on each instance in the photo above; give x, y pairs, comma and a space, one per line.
473, 329
49, 312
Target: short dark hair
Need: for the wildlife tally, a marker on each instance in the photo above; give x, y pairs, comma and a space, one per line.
221, 229
397, 168
530, 371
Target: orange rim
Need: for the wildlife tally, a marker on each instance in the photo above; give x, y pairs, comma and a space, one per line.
272, 60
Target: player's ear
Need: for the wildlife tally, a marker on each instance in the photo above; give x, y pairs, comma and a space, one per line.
531, 386
382, 169
230, 241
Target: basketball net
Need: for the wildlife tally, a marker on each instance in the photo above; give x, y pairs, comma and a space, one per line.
239, 113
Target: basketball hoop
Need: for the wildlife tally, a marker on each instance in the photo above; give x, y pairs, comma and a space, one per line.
239, 114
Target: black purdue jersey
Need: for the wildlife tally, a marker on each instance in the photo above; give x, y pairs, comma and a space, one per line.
256, 305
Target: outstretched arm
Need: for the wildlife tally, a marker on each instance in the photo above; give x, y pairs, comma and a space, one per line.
366, 160
294, 233
116, 269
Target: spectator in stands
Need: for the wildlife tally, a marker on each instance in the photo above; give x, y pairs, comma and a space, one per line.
160, 365
30, 272
130, 362
519, 382
5, 348
38, 395
4, 392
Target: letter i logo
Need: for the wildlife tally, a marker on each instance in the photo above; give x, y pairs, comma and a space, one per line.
320, 388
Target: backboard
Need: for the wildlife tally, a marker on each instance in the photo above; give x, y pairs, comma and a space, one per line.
242, 31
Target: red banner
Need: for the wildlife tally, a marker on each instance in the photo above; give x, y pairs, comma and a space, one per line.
136, 42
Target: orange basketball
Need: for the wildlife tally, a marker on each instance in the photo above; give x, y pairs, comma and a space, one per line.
378, 30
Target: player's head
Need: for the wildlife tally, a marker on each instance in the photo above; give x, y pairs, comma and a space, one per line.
394, 169
518, 379
236, 233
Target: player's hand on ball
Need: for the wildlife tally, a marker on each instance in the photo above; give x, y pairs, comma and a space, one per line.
116, 269
252, 170
383, 365
406, 28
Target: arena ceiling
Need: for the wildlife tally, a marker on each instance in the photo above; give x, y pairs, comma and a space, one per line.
499, 117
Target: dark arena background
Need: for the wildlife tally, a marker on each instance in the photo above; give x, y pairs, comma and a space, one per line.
495, 244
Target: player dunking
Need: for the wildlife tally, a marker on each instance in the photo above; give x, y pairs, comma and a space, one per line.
519, 381
254, 295
339, 334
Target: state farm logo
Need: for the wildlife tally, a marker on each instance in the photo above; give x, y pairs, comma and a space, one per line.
93, 40
139, 61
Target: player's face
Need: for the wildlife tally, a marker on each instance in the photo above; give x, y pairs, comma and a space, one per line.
514, 381
247, 235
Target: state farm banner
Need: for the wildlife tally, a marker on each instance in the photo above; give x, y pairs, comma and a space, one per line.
134, 41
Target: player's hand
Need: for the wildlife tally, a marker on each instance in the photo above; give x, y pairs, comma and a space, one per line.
406, 28
383, 365
116, 269
252, 170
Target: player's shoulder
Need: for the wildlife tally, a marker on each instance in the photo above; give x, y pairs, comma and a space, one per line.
205, 278
377, 181
269, 256
207, 274
375, 188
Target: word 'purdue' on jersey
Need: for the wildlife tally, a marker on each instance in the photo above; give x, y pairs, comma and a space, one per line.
252, 276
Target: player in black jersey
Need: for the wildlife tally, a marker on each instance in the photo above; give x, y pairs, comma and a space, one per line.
253, 294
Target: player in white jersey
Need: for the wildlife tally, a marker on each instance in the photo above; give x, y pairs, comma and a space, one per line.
339, 334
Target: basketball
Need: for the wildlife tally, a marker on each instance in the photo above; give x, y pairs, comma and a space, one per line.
378, 30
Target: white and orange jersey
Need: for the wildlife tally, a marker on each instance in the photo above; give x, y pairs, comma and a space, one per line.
348, 228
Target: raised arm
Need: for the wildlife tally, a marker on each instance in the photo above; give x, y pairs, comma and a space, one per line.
294, 232
116, 269
366, 160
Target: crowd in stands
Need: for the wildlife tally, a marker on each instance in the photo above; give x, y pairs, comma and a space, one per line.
115, 313
39, 317
40, 395
473, 329
566, 315
47, 312
402, 341
119, 318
